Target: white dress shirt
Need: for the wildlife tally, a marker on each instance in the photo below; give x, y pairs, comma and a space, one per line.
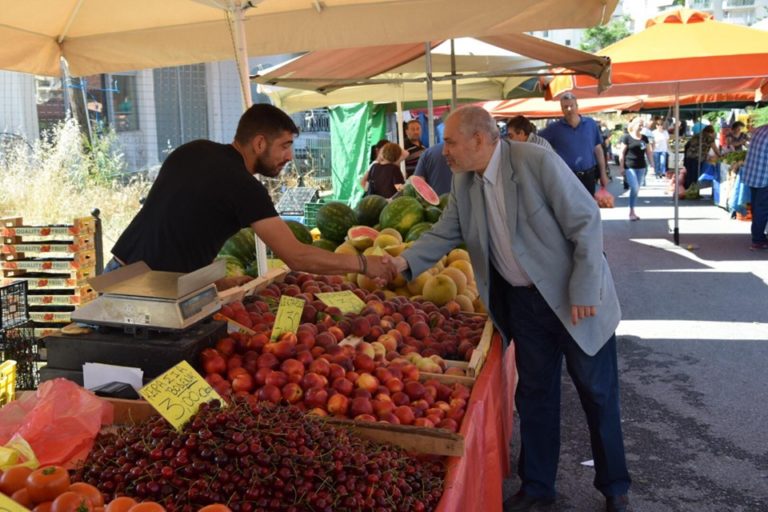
499, 240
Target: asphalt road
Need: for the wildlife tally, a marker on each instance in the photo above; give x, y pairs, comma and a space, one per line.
693, 347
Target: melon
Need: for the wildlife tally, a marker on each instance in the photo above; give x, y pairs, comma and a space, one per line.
465, 267
416, 285
334, 220
369, 208
432, 214
425, 191
444, 200
385, 240
300, 231
322, 243
458, 277
416, 231
362, 231
402, 214
439, 289
465, 303
457, 254
391, 231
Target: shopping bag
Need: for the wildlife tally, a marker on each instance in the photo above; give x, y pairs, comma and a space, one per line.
60, 421
604, 198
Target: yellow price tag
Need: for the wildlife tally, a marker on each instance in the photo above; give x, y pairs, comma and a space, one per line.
8, 505
288, 316
178, 393
346, 301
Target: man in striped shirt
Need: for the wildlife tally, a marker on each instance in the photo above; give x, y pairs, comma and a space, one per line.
754, 174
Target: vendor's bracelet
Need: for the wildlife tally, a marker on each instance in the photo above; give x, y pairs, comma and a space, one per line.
363, 263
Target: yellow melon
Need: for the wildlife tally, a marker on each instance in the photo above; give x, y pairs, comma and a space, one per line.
439, 289
458, 254
465, 267
458, 277
416, 285
465, 303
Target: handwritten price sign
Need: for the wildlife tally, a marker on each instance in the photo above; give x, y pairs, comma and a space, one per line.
178, 393
346, 301
288, 316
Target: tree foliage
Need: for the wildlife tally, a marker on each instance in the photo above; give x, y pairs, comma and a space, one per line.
597, 38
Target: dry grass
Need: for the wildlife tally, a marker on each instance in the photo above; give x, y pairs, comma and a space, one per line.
58, 180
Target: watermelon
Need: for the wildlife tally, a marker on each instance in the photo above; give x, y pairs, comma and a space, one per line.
362, 231
432, 213
240, 246
334, 220
234, 266
300, 231
416, 231
369, 208
444, 200
402, 214
328, 245
423, 190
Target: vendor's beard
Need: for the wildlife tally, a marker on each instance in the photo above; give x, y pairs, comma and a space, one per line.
269, 170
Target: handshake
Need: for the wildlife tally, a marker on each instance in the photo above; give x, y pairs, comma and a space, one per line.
384, 268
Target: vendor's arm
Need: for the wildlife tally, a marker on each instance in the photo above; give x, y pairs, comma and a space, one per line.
601, 165
276, 234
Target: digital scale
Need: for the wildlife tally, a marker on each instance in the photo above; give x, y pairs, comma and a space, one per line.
136, 297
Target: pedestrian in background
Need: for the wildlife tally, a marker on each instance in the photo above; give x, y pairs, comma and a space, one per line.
522, 130
754, 174
578, 141
385, 177
434, 169
634, 156
660, 149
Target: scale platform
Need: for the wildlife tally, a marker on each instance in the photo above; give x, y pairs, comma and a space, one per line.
136, 298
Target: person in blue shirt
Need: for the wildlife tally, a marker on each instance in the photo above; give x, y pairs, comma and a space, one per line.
754, 174
434, 169
578, 141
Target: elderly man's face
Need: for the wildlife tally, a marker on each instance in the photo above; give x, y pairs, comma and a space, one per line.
569, 106
460, 150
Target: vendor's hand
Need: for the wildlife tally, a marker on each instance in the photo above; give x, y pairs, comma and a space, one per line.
230, 282
381, 268
579, 312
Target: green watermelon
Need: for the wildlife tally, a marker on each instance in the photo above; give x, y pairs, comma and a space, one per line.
234, 267
416, 231
241, 246
369, 208
444, 200
328, 245
334, 220
300, 231
432, 214
402, 214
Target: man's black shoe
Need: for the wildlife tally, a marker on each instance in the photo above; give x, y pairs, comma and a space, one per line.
521, 502
617, 503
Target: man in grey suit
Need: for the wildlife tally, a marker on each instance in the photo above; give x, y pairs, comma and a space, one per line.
535, 239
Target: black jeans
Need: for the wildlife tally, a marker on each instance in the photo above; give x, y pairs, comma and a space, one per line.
588, 178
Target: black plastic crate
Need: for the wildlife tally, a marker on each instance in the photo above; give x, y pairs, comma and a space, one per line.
14, 310
19, 344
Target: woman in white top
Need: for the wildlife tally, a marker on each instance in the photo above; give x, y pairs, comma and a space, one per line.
660, 148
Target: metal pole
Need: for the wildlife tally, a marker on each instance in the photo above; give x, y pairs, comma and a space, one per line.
236, 19
453, 74
676, 232
430, 103
400, 133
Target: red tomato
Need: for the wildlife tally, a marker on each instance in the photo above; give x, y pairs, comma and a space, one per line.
13, 479
89, 491
120, 504
45, 484
147, 506
70, 501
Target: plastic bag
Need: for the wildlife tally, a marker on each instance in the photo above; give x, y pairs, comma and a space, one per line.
604, 198
17, 452
60, 421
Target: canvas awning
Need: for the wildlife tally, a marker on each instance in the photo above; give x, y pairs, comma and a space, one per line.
97, 36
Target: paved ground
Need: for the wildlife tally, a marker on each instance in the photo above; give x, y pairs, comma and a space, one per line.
693, 345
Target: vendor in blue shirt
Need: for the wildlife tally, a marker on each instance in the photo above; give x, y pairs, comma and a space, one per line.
579, 142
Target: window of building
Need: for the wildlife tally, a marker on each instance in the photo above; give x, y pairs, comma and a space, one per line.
124, 105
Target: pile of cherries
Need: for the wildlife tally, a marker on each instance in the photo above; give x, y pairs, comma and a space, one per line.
254, 456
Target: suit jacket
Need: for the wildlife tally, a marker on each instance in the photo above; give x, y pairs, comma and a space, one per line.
556, 235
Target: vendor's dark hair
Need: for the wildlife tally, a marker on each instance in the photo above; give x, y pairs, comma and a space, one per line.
263, 119
737, 124
521, 124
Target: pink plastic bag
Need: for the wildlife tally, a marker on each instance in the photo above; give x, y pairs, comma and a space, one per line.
60, 421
